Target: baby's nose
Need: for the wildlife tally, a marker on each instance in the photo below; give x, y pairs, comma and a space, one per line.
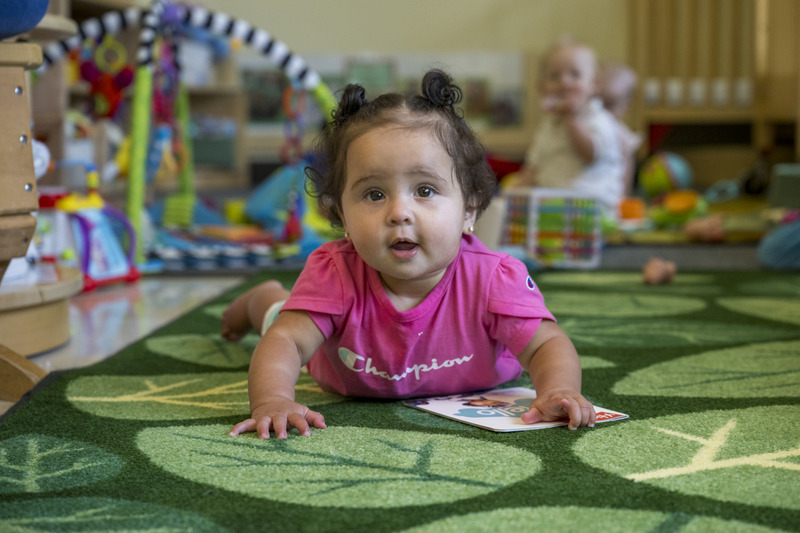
400, 211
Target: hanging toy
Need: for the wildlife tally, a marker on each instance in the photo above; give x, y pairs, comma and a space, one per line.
292, 231
165, 85
294, 107
161, 163
107, 75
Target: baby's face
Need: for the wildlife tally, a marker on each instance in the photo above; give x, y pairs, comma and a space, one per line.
403, 206
570, 73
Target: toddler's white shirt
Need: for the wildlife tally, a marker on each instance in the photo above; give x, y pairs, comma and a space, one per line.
558, 165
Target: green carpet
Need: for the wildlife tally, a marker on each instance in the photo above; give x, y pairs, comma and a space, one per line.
708, 369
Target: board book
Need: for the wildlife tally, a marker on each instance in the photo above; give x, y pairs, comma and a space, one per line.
496, 410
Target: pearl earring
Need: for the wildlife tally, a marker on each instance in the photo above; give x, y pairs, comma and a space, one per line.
471, 229
347, 235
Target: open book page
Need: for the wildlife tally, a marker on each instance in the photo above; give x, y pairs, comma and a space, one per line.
497, 410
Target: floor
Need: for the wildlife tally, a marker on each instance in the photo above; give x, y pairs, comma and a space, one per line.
109, 318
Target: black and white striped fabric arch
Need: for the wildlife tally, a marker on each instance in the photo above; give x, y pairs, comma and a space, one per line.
222, 25
110, 23
151, 24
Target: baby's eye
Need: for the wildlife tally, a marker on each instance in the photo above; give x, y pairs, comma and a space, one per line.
374, 196
425, 191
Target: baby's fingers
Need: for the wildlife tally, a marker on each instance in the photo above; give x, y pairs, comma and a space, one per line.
304, 422
299, 422
316, 419
263, 424
534, 415
580, 413
243, 427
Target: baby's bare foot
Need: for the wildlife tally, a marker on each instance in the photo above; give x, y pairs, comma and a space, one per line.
235, 320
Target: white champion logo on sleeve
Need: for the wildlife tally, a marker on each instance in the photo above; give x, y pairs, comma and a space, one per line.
531, 285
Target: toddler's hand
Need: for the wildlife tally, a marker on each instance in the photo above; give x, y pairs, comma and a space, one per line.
559, 405
567, 104
280, 413
551, 104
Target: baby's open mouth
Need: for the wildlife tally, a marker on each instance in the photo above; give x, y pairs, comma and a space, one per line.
404, 245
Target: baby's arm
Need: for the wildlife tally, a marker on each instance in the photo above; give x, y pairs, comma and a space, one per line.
526, 177
567, 109
286, 346
582, 142
555, 373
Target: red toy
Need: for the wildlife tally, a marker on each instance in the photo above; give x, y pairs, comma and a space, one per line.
107, 75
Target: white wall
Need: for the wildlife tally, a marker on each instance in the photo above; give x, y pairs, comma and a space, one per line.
397, 26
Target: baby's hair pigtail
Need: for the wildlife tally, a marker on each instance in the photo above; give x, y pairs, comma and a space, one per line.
354, 97
439, 89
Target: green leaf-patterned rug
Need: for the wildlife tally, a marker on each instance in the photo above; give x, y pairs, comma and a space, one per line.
708, 369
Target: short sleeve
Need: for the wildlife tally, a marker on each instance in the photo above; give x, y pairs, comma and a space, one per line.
319, 290
516, 306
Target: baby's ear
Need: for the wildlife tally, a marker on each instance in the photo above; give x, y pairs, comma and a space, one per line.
469, 219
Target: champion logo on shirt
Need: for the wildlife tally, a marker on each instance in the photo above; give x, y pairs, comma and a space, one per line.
531, 285
358, 363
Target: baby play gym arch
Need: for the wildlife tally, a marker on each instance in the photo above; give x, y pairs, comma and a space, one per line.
160, 18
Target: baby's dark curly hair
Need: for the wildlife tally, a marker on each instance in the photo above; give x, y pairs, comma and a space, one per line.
434, 110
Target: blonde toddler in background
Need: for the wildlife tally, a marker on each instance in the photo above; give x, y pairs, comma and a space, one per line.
576, 145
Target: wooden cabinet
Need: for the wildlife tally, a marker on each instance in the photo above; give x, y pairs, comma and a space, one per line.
56, 92
18, 196
721, 64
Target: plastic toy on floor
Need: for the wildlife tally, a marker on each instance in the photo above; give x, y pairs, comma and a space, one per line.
664, 172
676, 208
280, 205
705, 229
98, 250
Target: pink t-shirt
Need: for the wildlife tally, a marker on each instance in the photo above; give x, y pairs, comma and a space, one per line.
462, 337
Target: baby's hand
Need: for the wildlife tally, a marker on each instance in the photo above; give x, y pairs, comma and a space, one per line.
550, 104
565, 104
280, 413
559, 405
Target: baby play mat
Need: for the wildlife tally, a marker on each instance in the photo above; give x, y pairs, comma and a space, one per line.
708, 369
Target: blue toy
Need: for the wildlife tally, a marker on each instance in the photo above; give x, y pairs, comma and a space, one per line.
20, 16
280, 205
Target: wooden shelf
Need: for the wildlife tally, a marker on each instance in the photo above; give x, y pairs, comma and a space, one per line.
26, 310
24, 55
109, 5
53, 28
723, 50
698, 115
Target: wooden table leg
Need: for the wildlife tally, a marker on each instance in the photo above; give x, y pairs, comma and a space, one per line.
18, 375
